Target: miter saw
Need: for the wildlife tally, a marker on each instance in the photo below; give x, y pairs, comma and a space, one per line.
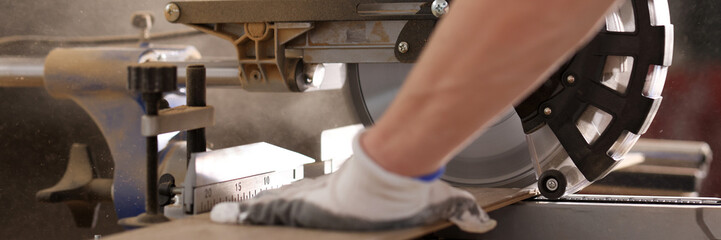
569, 133
577, 125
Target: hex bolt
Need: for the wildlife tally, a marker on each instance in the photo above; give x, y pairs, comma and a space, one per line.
403, 47
172, 12
547, 111
552, 184
571, 79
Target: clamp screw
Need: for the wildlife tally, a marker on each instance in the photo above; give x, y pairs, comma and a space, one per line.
547, 111
172, 12
403, 47
570, 79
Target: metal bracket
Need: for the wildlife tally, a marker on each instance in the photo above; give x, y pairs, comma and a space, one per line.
261, 53
414, 35
180, 118
224, 11
273, 36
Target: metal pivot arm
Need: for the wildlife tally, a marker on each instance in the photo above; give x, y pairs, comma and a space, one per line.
274, 39
79, 188
243, 11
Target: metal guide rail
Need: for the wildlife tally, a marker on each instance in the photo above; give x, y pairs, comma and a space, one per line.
635, 199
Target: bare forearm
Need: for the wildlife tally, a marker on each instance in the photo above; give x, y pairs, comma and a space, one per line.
484, 56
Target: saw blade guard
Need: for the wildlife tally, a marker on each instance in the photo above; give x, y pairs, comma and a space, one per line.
557, 172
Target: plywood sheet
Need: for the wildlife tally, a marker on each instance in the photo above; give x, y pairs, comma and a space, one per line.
200, 226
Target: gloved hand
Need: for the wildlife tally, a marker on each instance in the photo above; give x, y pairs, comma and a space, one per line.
360, 196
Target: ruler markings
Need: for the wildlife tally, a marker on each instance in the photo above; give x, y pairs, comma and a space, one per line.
244, 188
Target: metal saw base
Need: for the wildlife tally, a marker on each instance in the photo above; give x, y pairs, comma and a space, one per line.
608, 217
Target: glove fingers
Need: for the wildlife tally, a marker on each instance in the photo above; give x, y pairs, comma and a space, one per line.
300, 213
230, 212
226, 212
461, 211
473, 223
468, 216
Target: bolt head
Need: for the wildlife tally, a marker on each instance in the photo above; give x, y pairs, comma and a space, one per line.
571, 79
439, 8
403, 47
552, 184
172, 12
547, 111
142, 20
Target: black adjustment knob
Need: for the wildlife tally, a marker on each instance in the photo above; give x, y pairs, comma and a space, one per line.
152, 77
165, 189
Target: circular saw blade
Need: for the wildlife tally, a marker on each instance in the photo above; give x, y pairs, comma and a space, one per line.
498, 158
521, 144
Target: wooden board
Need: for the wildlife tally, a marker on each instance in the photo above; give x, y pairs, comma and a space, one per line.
200, 226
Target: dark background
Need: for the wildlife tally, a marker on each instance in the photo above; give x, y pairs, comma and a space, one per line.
36, 131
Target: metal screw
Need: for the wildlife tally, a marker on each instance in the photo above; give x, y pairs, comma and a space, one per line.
547, 111
172, 12
403, 47
571, 79
143, 21
439, 7
552, 184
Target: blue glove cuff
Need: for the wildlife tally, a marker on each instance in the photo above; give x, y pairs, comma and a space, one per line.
433, 176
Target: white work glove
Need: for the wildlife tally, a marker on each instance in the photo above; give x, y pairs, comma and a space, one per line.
360, 196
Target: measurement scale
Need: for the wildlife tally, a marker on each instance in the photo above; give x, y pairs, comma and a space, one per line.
239, 173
